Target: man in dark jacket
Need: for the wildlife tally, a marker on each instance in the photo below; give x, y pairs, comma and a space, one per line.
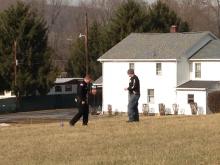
134, 95
82, 101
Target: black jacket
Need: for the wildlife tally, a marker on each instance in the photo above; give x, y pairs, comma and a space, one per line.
82, 92
134, 85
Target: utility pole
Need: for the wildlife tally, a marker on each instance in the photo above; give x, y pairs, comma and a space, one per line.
85, 35
86, 44
15, 63
15, 74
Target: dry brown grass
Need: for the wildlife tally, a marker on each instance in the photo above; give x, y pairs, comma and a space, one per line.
166, 140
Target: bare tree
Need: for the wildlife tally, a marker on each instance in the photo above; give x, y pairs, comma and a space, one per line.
215, 5
6, 3
200, 14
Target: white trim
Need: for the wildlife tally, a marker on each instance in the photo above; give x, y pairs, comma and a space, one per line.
191, 89
135, 60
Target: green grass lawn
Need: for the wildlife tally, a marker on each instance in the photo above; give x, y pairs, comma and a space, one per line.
110, 140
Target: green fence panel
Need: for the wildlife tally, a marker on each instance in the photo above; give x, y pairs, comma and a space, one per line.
7, 105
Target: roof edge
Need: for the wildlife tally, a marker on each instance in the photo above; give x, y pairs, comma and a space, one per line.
136, 60
204, 59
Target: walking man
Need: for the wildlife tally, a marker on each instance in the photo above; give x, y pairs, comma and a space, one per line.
134, 95
82, 101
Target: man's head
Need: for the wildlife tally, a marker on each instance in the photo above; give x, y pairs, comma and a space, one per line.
87, 79
130, 72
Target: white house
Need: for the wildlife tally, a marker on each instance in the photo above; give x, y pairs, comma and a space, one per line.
173, 68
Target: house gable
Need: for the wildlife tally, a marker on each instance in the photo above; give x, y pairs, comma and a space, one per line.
202, 42
211, 51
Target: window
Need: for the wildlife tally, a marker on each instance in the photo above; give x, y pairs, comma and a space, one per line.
197, 70
74, 87
58, 88
158, 68
131, 65
68, 88
190, 98
150, 95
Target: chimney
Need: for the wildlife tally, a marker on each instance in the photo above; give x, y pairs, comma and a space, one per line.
173, 29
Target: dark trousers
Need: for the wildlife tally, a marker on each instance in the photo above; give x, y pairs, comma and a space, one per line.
83, 111
133, 114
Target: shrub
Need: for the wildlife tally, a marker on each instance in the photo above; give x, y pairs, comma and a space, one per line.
213, 101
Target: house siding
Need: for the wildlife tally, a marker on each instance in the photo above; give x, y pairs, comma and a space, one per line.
200, 98
164, 85
183, 73
209, 70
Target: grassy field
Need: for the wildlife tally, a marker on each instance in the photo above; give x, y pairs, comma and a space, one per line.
169, 140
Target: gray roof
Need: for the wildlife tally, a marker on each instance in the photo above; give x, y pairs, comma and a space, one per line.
98, 81
198, 84
65, 80
154, 45
209, 51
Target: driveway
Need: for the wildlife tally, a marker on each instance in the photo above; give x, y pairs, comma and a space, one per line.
38, 116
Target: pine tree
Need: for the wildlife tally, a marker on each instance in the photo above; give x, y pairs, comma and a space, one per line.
161, 18
129, 17
76, 65
21, 25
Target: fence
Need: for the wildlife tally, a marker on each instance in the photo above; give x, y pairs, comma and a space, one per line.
31, 103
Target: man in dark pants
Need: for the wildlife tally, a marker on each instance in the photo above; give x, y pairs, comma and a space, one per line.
82, 101
134, 95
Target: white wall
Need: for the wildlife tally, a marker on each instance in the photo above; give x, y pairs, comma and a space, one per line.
199, 97
115, 79
183, 73
209, 70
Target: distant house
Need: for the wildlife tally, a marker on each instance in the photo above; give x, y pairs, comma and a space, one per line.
98, 83
173, 68
65, 86
6, 94
96, 97
61, 86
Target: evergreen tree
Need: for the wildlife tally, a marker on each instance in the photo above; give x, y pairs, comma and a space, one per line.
76, 65
21, 25
161, 18
129, 17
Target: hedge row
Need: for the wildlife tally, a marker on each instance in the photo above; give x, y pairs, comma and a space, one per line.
214, 101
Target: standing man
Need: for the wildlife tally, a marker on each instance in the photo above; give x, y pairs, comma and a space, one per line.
134, 95
82, 101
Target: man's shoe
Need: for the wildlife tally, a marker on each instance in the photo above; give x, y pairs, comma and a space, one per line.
129, 121
84, 124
